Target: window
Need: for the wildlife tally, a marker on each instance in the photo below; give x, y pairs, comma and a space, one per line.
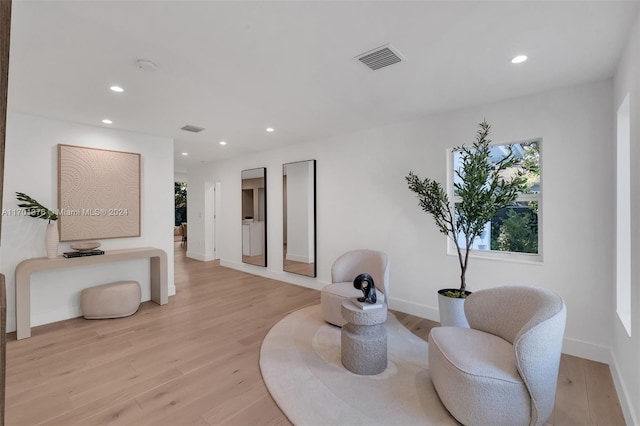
514, 231
623, 215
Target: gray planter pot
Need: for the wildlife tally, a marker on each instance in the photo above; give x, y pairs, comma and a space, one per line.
451, 310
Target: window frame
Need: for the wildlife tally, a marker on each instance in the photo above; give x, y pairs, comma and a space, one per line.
534, 258
623, 258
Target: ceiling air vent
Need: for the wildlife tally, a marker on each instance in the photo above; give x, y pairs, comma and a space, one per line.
191, 128
381, 57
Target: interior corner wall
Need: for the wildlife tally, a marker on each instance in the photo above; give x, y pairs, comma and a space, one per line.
31, 167
363, 202
626, 350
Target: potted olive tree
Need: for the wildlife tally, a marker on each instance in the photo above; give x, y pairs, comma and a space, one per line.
483, 188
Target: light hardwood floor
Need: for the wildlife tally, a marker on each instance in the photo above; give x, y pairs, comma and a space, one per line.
294, 267
195, 361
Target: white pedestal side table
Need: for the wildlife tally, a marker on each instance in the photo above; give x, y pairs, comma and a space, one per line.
364, 339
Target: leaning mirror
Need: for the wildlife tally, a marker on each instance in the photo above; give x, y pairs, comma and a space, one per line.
254, 216
299, 214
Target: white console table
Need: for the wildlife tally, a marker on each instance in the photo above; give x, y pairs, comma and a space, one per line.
158, 277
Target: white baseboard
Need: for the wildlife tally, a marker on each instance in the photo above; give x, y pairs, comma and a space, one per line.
628, 410
586, 350
200, 256
422, 311
172, 290
299, 258
313, 283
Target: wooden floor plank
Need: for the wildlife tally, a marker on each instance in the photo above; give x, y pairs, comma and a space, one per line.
105, 396
572, 404
221, 412
187, 398
604, 406
195, 360
263, 411
124, 413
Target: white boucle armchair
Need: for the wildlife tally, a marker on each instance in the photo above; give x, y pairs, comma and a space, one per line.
504, 369
343, 271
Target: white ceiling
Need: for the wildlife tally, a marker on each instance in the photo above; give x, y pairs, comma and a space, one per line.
238, 67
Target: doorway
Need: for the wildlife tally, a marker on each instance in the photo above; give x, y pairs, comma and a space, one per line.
180, 213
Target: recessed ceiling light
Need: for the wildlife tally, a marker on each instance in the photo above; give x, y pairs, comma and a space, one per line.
270, 129
107, 121
223, 143
117, 89
519, 59
185, 153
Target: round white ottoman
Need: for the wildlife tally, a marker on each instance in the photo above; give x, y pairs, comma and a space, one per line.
113, 300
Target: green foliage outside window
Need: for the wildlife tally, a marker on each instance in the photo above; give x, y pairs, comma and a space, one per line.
518, 232
515, 228
180, 202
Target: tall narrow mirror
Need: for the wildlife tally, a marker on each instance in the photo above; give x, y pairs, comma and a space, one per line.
299, 211
254, 216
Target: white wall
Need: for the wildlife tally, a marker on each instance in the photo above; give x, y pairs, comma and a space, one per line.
625, 350
31, 167
200, 206
363, 202
180, 177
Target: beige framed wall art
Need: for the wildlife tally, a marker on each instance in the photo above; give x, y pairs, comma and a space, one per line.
98, 193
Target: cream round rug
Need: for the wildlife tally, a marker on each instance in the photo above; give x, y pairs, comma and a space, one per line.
300, 363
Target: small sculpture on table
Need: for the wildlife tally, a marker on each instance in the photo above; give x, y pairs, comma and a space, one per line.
365, 283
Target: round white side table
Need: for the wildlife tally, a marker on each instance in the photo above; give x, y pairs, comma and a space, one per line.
364, 338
